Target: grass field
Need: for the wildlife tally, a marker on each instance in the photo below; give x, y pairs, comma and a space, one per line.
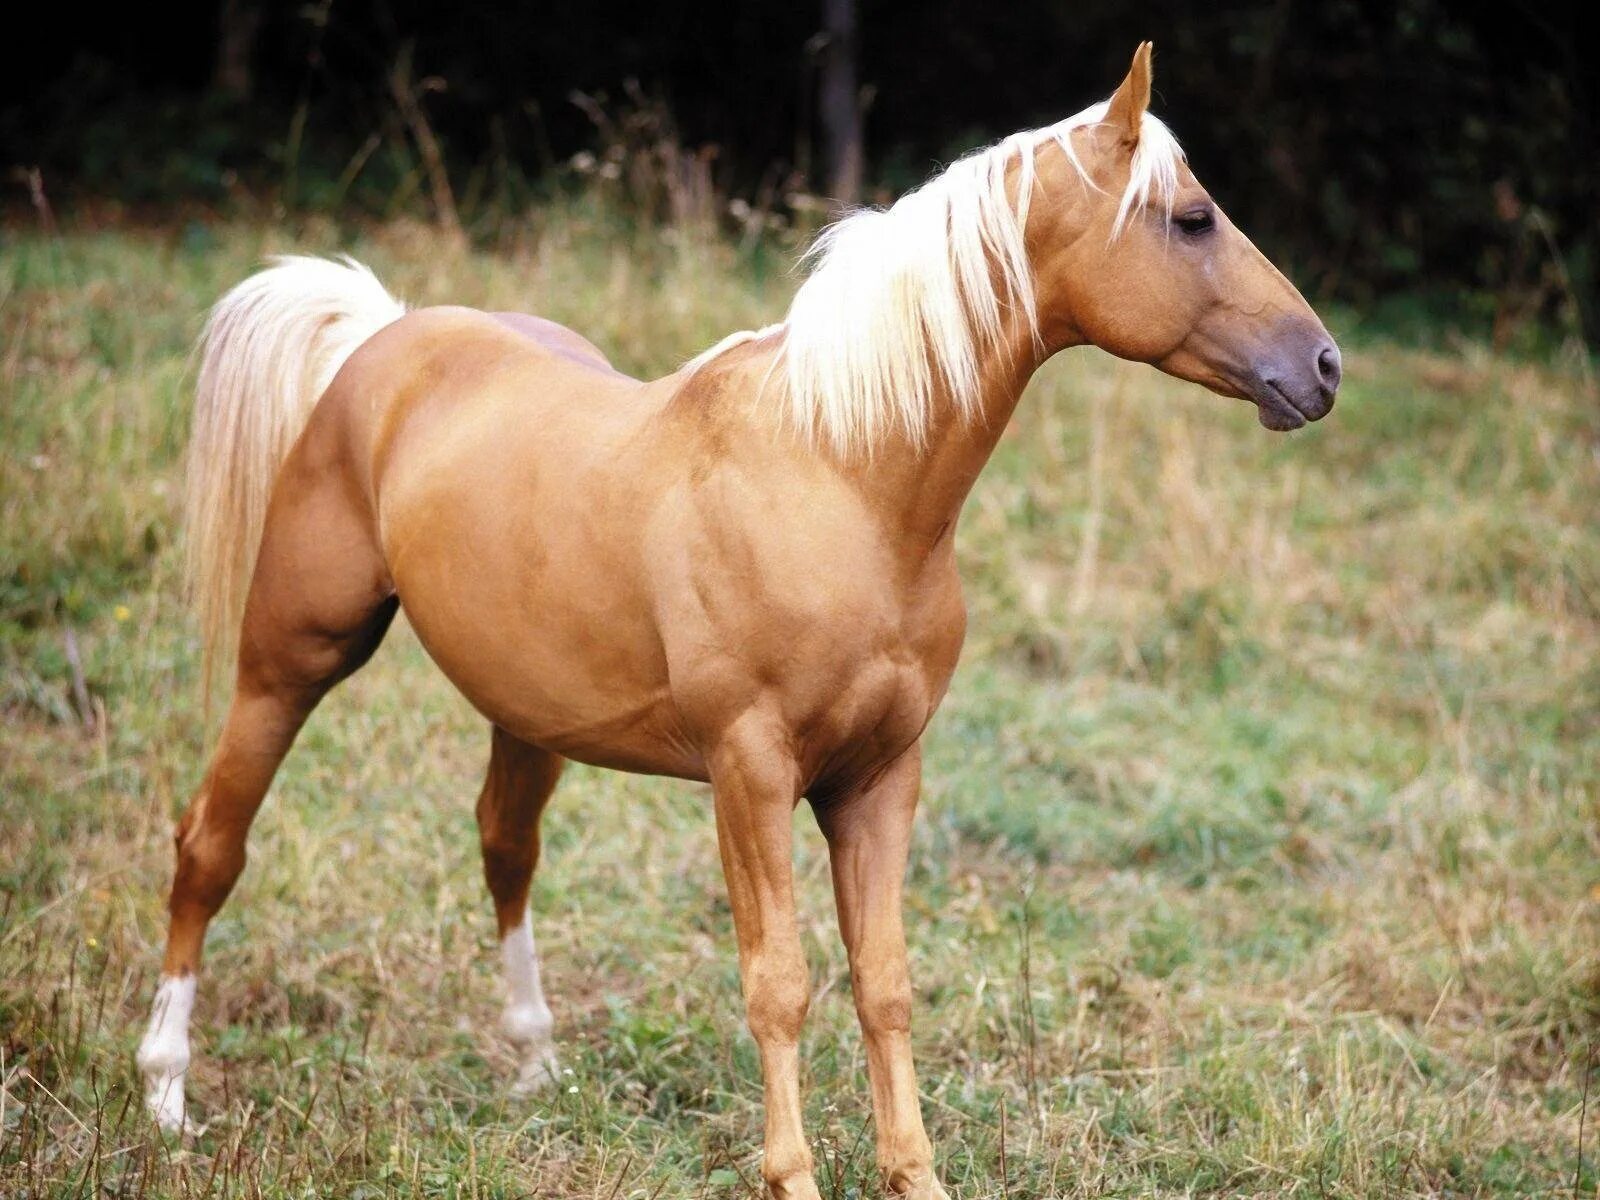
1259, 856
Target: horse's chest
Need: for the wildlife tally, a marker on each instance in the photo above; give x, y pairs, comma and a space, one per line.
873, 715
816, 626
862, 687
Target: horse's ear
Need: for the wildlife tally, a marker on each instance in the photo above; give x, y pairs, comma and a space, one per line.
1125, 112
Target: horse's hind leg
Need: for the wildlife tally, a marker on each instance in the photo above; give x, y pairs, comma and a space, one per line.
319, 604
520, 780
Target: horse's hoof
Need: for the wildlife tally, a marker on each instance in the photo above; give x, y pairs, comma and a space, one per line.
539, 1073
163, 1089
802, 1187
924, 1186
164, 1103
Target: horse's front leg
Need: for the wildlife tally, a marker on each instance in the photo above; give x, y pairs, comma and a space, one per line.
869, 838
755, 781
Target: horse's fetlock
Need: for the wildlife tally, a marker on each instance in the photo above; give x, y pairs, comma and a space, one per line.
911, 1171
163, 1056
163, 1053
528, 1024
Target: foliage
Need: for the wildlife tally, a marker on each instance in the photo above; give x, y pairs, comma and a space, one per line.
1421, 145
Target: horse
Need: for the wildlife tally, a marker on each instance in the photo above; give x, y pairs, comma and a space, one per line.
742, 573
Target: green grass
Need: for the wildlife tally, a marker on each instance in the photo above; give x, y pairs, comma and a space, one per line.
1260, 853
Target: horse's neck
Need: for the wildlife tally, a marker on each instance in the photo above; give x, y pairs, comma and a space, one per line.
920, 490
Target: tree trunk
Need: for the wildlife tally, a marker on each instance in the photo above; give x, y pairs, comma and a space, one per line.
237, 24
839, 103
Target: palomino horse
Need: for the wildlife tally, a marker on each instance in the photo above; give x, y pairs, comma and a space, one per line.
742, 573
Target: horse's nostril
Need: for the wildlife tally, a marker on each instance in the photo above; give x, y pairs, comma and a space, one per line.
1328, 369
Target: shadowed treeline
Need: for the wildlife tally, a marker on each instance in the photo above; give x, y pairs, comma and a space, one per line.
1439, 149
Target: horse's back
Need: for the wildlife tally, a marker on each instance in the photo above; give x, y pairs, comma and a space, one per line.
556, 338
439, 377
470, 411
447, 340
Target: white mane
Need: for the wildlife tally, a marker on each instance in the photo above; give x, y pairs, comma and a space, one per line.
900, 300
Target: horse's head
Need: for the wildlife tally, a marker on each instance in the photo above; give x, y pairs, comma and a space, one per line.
1155, 272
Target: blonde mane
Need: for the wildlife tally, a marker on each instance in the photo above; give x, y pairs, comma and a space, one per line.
904, 299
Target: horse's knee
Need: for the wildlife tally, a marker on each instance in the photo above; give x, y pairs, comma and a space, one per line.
885, 1010
882, 999
777, 996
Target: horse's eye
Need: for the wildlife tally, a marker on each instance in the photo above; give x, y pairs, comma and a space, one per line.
1195, 223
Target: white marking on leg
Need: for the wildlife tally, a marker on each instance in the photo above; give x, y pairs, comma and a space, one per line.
164, 1052
526, 1020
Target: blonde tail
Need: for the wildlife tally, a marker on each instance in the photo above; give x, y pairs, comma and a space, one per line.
270, 349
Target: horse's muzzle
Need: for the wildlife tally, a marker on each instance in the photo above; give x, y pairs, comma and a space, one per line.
1298, 380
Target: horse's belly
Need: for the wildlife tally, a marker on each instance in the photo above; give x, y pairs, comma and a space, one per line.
518, 567
554, 647
596, 708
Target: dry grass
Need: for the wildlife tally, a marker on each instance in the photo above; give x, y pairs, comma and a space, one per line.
1259, 854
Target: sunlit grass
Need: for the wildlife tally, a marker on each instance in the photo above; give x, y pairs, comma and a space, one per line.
1259, 855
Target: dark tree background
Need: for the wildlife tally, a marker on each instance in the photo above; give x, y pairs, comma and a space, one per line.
1408, 146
